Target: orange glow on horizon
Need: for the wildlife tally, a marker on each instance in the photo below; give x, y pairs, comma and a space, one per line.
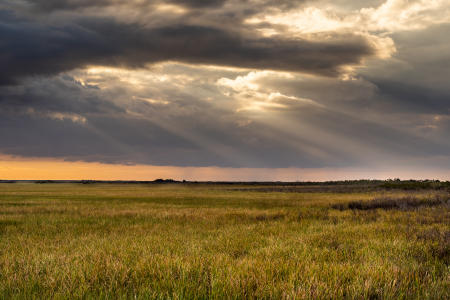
16, 168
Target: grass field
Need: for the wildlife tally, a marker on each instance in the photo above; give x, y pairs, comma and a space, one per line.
222, 241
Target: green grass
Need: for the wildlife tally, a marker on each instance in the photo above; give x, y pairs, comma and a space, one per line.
217, 241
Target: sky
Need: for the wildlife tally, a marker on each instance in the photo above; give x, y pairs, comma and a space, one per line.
224, 89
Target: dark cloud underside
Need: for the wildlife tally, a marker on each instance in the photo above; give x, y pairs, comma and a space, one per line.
30, 48
50, 5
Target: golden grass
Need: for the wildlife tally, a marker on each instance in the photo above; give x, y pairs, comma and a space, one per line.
206, 241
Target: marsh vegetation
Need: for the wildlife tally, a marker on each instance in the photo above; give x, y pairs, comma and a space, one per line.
223, 241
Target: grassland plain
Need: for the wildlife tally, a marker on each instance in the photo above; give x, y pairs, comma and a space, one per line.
183, 241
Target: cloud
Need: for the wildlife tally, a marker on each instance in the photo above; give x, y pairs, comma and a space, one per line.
379, 16
60, 95
225, 83
46, 6
250, 92
209, 118
36, 46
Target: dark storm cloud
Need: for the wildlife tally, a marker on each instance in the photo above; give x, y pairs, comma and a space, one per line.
33, 47
61, 94
55, 5
402, 96
50, 5
29, 49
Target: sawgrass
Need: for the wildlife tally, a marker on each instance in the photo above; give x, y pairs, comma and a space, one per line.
178, 241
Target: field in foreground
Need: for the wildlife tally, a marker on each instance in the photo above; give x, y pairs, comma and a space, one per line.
222, 241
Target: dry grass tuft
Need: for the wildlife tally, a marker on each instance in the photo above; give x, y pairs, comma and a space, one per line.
404, 203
